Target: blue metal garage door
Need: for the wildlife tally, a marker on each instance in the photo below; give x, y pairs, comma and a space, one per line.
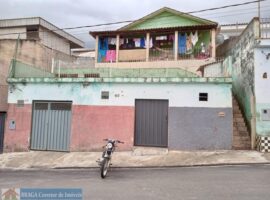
51, 124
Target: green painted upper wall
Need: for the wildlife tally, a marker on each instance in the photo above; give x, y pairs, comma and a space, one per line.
165, 20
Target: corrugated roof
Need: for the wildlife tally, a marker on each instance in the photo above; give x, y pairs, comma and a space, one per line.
170, 10
154, 30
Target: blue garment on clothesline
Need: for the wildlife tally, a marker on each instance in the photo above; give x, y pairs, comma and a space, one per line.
182, 40
142, 43
103, 46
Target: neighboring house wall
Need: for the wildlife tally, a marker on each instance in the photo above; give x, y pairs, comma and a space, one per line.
29, 51
94, 118
10, 33
243, 68
51, 40
262, 88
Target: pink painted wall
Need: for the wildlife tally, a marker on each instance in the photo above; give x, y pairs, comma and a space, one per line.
91, 124
17, 140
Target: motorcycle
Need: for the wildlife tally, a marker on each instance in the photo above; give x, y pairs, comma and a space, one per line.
105, 160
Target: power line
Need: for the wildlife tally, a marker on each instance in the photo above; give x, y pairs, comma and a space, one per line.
128, 21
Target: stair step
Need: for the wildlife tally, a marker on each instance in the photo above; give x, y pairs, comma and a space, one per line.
237, 111
239, 124
241, 133
241, 148
237, 115
238, 119
240, 128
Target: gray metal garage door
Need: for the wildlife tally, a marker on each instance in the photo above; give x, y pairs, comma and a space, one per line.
51, 124
151, 123
2, 128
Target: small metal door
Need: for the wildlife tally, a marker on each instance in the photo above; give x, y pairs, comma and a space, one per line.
151, 123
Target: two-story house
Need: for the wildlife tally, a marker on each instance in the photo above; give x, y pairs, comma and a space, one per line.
143, 90
165, 38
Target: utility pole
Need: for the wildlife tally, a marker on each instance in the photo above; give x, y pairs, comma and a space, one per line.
259, 9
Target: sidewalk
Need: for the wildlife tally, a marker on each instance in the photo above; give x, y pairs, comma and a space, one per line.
137, 158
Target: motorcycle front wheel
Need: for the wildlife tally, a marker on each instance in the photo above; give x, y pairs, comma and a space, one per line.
104, 167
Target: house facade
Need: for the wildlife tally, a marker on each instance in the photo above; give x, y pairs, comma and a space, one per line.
144, 90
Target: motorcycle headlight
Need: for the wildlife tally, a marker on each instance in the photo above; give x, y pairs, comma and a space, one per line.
109, 146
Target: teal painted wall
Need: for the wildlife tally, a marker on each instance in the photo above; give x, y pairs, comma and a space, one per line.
262, 88
164, 20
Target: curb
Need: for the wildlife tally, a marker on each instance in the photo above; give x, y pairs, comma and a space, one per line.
134, 167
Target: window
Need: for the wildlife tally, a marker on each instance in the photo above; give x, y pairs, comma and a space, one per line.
104, 95
265, 75
20, 103
32, 33
203, 96
41, 106
60, 106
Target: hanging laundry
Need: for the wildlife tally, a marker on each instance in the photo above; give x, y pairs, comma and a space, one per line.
104, 44
194, 38
101, 55
142, 43
182, 40
171, 37
110, 56
112, 41
121, 41
137, 42
151, 43
189, 43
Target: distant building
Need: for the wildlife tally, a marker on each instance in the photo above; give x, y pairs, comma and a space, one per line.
34, 41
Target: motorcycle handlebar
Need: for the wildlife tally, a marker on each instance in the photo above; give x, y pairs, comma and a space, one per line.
118, 141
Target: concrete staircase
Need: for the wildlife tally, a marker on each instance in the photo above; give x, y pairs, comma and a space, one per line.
241, 137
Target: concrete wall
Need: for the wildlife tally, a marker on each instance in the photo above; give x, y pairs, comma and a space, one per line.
53, 41
31, 52
262, 85
243, 68
200, 128
11, 33
187, 64
94, 118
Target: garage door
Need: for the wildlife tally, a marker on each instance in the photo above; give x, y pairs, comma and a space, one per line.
151, 123
51, 124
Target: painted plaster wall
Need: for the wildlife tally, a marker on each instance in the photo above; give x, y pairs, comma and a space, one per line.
94, 119
18, 139
200, 128
92, 124
262, 85
179, 95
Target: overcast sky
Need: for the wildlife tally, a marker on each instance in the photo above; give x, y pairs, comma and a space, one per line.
70, 13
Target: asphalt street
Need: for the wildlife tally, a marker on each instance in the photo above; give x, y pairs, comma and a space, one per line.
187, 183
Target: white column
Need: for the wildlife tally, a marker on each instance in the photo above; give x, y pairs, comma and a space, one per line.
175, 45
96, 50
213, 42
147, 46
117, 47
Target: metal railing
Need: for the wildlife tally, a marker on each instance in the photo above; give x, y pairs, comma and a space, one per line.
265, 28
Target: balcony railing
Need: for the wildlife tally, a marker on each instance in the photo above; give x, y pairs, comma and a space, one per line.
265, 28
